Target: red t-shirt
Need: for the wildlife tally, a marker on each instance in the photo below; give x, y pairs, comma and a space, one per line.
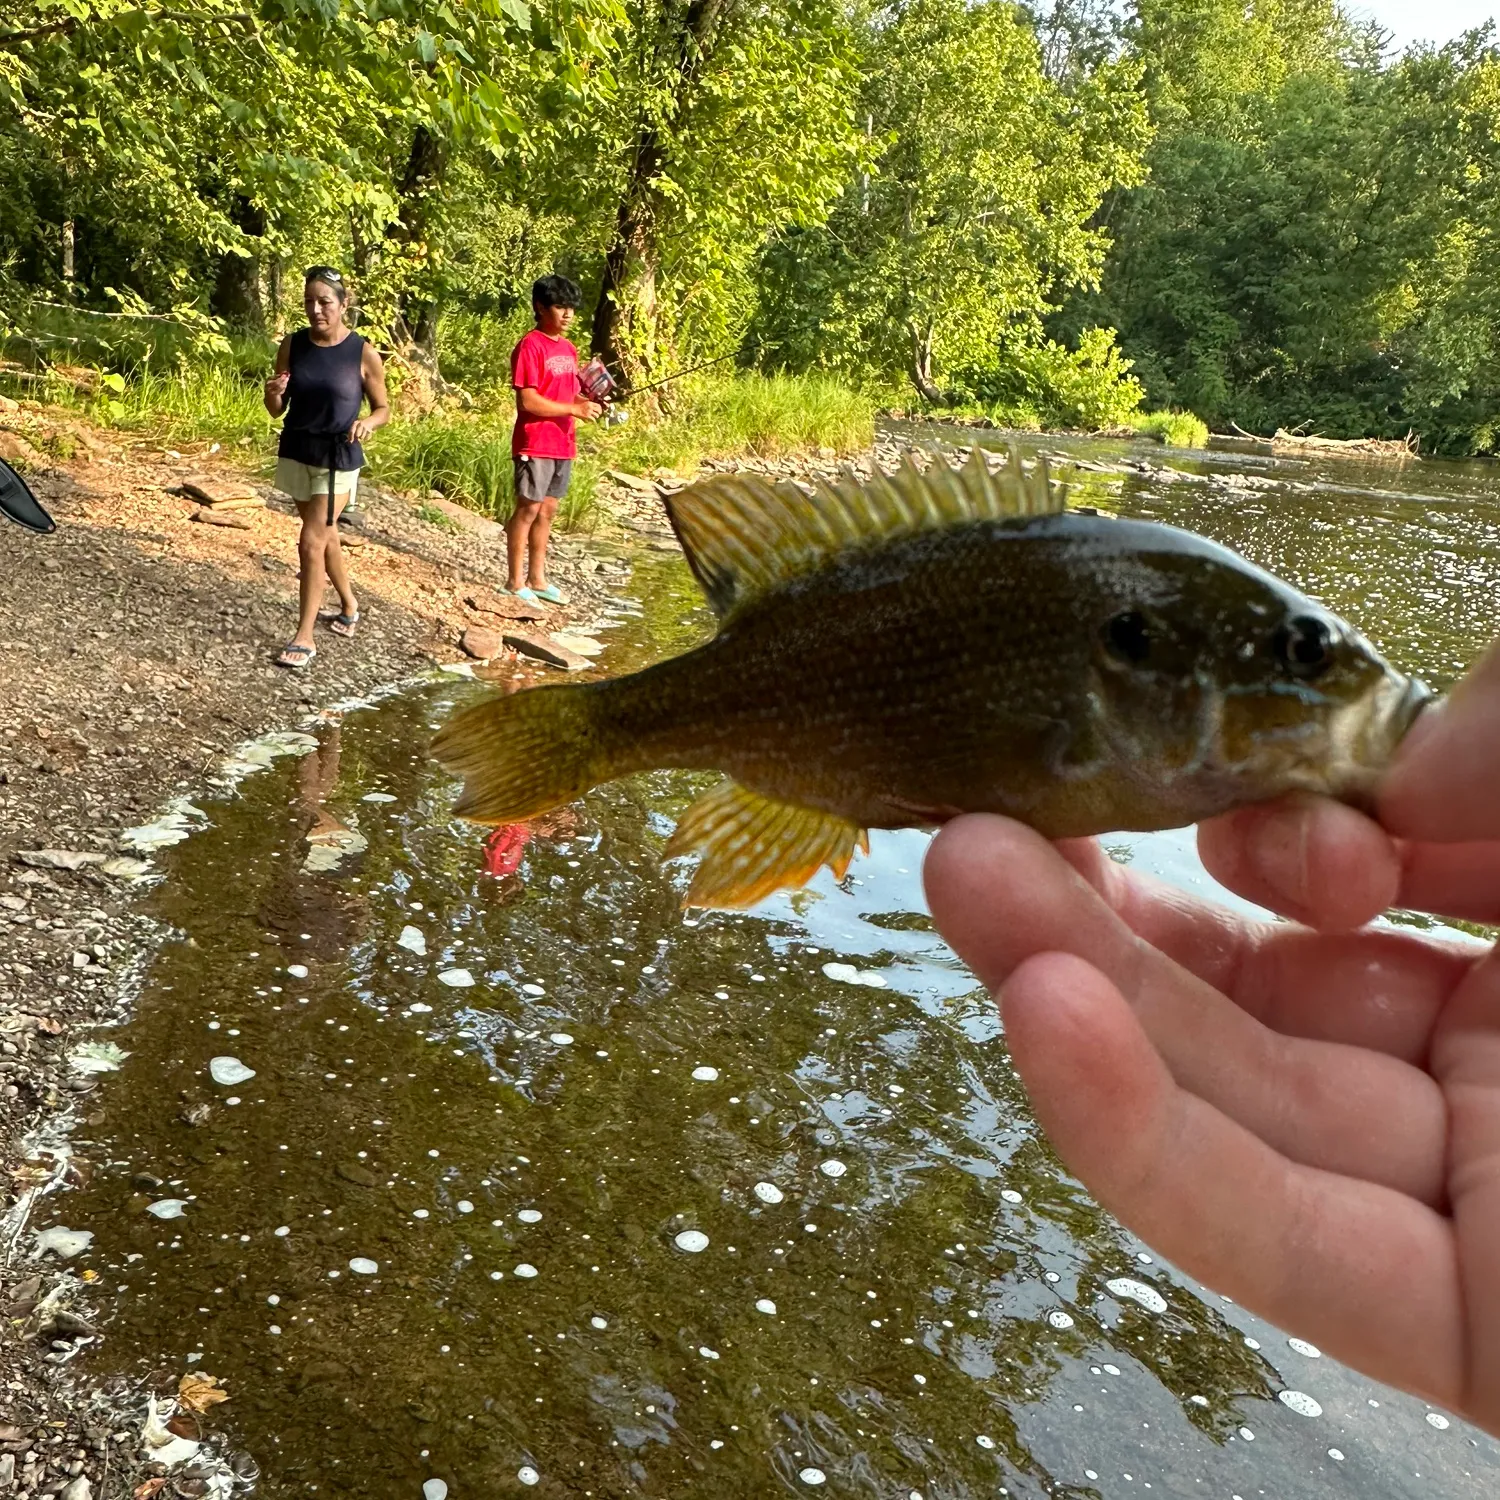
548, 366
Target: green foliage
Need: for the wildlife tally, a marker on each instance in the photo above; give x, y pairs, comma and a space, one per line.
1043, 384
1177, 429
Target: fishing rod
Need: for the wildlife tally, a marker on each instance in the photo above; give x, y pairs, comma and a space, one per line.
599, 385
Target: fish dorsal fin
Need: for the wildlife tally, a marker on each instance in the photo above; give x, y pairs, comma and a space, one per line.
752, 845
744, 536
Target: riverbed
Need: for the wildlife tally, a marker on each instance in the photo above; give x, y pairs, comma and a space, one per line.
521, 1180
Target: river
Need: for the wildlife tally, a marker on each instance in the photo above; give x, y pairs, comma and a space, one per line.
540, 1186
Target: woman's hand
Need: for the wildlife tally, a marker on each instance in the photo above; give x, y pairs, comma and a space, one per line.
1306, 1117
361, 429
275, 397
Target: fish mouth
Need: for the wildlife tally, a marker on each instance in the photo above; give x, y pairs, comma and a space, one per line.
1364, 736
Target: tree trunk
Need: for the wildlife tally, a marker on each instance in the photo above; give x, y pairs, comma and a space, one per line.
236, 295
421, 184
921, 365
625, 326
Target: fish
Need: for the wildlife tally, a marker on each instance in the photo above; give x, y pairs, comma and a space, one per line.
895, 652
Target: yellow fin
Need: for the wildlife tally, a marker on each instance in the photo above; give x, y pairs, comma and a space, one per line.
752, 845
743, 536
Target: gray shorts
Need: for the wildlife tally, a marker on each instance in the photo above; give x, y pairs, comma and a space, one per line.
542, 478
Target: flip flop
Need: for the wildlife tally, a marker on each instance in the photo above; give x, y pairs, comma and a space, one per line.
525, 595
551, 594
295, 658
344, 625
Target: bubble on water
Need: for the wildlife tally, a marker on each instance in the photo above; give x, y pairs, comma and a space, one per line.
273, 1300
1059, 1319
168, 1208
456, 979
533, 989
1111, 1369
721, 994
1301, 1346
985, 1440
297, 971
414, 940
281, 1231
527, 1475
598, 1322
434, 1489
233, 1099
1438, 1420
419, 1213
1248, 1436
526, 1270
765, 1305
1138, 1292
1010, 1195
768, 1192
691, 1240
1335, 1455
705, 1074
848, 974
1300, 1402
832, 1168
530, 1216
561, 1039
1199, 1400
1252, 1343
363, 1267
811, 1476
229, 1070
417, 1008
377, 797
920, 1379
707, 1353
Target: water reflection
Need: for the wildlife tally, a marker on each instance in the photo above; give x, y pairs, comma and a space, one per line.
520, 1156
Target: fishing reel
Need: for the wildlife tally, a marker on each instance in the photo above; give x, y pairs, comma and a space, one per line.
595, 381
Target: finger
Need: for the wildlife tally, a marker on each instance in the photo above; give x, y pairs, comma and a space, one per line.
1378, 990
1311, 1251
1308, 858
1000, 894
1452, 880
1442, 785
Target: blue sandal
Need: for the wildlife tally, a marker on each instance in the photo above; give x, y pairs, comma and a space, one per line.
296, 657
344, 625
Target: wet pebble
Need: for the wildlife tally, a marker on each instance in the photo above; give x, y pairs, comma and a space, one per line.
768, 1192
691, 1240
229, 1071
456, 979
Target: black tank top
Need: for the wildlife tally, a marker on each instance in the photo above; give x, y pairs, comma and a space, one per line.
323, 399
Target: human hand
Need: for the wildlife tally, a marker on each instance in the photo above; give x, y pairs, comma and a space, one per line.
585, 409
277, 384
361, 429
1305, 1117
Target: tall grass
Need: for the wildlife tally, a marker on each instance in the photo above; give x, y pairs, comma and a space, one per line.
1177, 429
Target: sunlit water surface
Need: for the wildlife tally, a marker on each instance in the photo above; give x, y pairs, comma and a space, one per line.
738, 1205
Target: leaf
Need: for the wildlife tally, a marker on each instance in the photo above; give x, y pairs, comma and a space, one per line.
149, 1487
116, 383
199, 1392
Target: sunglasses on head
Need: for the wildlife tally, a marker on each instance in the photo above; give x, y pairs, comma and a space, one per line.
323, 273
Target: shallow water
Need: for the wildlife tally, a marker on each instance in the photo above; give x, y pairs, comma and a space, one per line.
583, 1282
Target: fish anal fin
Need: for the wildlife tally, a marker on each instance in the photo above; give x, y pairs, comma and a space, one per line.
753, 846
744, 536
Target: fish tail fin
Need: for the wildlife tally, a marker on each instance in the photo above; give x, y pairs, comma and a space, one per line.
752, 845
524, 754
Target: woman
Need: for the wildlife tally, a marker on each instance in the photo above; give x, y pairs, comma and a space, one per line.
324, 372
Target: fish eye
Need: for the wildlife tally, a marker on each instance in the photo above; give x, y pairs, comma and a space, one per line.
1128, 637
1304, 646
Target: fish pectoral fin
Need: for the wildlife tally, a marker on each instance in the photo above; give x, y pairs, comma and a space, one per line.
752, 845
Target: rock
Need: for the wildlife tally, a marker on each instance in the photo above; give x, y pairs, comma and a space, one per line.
6, 404
360, 1176
78, 1489
7, 1470
506, 606
482, 644
226, 494
579, 645
59, 859
539, 648
13, 903
229, 518
481, 526
634, 482
15, 449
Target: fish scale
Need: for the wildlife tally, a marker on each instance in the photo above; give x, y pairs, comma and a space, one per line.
895, 653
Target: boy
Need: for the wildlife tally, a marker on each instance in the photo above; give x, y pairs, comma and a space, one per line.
544, 372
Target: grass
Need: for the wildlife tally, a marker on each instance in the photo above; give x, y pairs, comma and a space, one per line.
1177, 429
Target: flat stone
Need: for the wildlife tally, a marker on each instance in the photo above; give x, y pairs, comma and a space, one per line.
228, 493
506, 607
539, 648
15, 449
59, 859
221, 517
634, 482
78, 1489
468, 519
360, 1176
580, 645
482, 644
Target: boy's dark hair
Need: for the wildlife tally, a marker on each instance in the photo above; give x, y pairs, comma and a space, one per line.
556, 291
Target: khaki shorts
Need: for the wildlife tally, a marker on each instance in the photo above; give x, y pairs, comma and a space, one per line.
304, 482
